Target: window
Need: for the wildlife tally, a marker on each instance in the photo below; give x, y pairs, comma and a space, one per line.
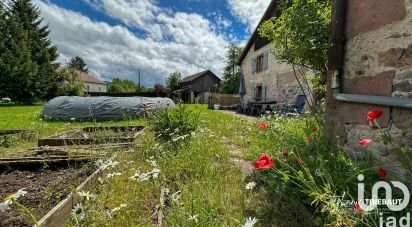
258, 93
260, 63
88, 88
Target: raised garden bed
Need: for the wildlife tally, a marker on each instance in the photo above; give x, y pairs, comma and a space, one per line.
9, 137
94, 135
45, 187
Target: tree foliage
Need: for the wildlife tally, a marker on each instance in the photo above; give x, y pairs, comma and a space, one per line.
300, 35
159, 89
122, 86
173, 81
78, 63
27, 56
71, 85
231, 75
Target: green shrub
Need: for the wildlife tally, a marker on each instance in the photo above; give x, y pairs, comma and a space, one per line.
174, 125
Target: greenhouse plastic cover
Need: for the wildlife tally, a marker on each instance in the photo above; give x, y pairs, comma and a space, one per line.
66, 108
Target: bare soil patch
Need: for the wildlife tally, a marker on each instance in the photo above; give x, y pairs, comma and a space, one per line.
45, 187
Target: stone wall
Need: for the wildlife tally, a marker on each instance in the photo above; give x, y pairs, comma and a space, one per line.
279, 80
378, 61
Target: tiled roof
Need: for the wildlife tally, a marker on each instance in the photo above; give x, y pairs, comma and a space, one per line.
197, 75
88, 78
267, 15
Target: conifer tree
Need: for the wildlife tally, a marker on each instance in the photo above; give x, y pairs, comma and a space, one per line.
79, 64
17, 70
44, 83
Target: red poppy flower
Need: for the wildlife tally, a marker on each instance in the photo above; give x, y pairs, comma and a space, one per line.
383, 173
374, 114
285, 154
365, 142
310, 139
314, 129
263, 125
357, 208
264, 162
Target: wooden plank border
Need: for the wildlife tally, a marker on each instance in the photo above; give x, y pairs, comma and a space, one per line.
66, 139
60, 214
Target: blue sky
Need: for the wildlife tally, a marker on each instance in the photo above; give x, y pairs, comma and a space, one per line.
118, 37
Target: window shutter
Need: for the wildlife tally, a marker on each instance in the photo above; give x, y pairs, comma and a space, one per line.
265, 60
253, 65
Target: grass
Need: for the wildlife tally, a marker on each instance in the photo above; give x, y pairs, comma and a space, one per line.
198, 183
29, 117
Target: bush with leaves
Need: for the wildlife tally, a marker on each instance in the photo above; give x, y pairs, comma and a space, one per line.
174, 125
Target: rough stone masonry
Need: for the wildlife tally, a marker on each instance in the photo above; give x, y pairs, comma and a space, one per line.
378, 61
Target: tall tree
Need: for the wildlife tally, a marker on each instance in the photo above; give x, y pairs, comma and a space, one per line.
300, 35
17, 70
79, 64
231, 75
26, 23
173, 81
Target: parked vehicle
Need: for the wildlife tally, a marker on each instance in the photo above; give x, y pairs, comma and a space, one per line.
5, 100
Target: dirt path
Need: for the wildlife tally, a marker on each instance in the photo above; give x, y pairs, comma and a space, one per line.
249, 118
236, 152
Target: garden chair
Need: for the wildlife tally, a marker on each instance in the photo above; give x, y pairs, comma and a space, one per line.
297, 108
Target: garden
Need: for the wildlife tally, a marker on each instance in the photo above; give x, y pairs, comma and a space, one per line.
190, 167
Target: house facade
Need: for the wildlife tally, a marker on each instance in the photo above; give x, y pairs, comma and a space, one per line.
198, 87
265, 78
91, 84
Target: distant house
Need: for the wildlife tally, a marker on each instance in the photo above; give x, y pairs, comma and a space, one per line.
265, 78
198, 87
91, 84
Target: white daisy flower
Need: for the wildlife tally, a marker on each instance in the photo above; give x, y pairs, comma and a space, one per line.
250, 185
87, 194
193, 218
155, 173
250, 222
79, 211
5, 205
152, 162
111, 175
20, 193
176, 196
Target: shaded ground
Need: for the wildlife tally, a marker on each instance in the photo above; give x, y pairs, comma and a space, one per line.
45, 188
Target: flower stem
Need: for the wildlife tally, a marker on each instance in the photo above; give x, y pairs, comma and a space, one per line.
27, 211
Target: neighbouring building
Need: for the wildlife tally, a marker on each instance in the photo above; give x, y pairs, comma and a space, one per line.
91, 84
198, 87
370, 68
265, 78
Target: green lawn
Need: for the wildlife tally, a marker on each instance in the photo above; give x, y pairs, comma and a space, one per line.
29, 117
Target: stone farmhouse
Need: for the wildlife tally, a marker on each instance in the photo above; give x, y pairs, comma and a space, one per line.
265, 78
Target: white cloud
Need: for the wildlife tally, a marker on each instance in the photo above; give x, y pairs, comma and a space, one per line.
248, 12
175, 41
